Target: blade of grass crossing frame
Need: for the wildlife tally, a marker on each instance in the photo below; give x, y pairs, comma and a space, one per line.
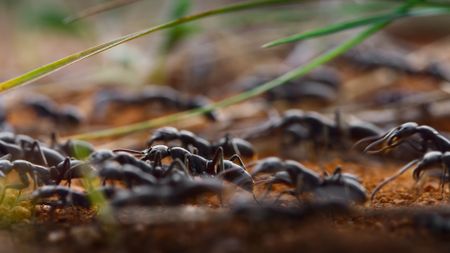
354, 24
47, 69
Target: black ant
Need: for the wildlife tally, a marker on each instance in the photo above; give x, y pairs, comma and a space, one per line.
168, 195
430, 139
341, 187
61, 115
311, 126
127, 173
165, 96
70, 169
31, 150
203, 147
155, 169
39, 174
200, 166
322, 85
290, 173
375, 58
67, 196
429, 162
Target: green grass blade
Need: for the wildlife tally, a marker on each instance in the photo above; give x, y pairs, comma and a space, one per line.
47, 69
298, 72
354, 24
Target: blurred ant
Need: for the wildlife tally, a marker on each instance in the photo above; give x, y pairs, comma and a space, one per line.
375, 58
163, 95
61, 115
322, 85
310, 126
168, 195
67, 196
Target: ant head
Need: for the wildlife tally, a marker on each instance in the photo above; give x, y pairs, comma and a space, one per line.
400, 133
5, 166
101, 155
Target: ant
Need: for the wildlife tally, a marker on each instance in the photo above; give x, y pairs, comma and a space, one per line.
39, 174
311, 126
165, 96
341, 187
290, 173
375, 58
322, 85
168, 195
197, 165
70, 169
430, 161
67, 196
29, 149
127, 173
202, 146
430, 139
63, 115
123, 158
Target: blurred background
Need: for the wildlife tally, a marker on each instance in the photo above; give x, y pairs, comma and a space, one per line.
210, 57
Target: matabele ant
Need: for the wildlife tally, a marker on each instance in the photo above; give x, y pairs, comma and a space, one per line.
163, 95
61, 115
203, 147
341, 187
320, 85
311, 126
197, 165
168, 195
429, 139
154, 168
375, 58
22, 147
66, 196
430, 161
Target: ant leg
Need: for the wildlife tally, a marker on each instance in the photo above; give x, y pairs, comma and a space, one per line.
35, 179
66, 172
218, 161
6, 157
299, 187
53, 140
177, 162
237, 158
442, 179
36, 146
68, 176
